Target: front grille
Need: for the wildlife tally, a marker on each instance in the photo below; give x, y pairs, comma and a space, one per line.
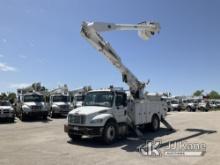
36, 107
64, 106
5, 110
77, 119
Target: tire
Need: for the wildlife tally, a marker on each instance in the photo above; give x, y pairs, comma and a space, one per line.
22, 116
155, 123
44, 117
110, 132
12, 120
74, 137
52, 115
188, 109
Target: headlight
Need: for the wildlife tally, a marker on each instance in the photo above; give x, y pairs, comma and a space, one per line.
56, 107
26, 108
96, 121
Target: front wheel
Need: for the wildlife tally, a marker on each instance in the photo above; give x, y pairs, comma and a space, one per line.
51, 114
12, 120
189, 109
44, 117
22, 116
110, 133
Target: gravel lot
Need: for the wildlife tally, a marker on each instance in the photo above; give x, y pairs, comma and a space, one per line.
45, 143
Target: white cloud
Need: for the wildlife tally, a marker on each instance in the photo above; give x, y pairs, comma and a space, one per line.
4, 67
18, 85
23, 56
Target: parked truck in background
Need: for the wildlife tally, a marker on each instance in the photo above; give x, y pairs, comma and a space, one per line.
59, 102
7, 111
31, 102
78, 95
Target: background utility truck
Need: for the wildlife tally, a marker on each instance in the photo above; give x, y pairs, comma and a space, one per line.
108, 113
6, 111
31, 102
59, 101
78, 95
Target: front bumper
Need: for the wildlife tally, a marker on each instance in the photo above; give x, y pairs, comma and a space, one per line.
62, 111
36, 113
7, 115
83, 130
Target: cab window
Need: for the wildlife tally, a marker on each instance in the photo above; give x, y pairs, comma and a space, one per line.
120, 99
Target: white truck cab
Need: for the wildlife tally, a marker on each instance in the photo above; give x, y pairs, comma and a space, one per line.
6, 110
60, 104
108, 113
78, 100
31, 104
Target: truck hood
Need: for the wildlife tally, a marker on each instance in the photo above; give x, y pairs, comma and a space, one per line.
33, 103
5, 107
86, 110
60, 103
175, 105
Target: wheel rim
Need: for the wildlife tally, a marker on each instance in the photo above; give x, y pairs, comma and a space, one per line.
111, 133
51, 114
155, 123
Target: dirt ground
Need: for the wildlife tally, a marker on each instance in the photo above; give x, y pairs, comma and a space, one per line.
45, 143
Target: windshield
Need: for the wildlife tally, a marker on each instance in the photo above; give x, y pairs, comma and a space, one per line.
80, 98
33, 98
60, 98
4, 103
99, 99
174, 102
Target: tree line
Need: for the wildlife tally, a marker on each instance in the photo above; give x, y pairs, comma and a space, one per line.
211, 95
11, 96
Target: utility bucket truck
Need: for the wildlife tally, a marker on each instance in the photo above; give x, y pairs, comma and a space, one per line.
31, 102
78, 95
107, 112
59, 102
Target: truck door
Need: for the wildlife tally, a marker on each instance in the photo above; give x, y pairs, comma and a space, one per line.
120, 107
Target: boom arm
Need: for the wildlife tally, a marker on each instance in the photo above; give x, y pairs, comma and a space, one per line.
145, 31
60, 89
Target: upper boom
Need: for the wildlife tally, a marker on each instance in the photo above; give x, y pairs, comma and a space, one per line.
145, 31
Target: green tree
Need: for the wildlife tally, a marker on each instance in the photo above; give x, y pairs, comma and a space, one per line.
3, 96
12, 97
214, 95
198, 93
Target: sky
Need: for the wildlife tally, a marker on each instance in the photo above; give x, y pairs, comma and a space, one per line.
40, 41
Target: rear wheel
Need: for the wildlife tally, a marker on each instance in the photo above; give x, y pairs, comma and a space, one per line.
110, 132
155, 123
